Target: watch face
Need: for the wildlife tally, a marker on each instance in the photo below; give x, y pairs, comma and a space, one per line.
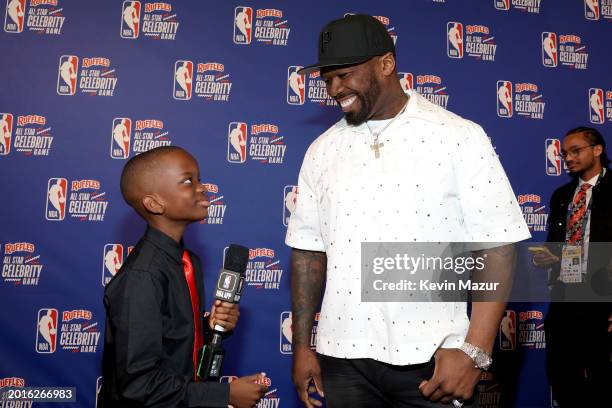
483, 361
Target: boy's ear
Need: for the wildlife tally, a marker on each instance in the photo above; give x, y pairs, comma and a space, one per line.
153, 204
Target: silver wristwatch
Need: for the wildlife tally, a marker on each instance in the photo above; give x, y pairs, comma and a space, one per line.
480, 357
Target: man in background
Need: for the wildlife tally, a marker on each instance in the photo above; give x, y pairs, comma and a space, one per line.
578, 334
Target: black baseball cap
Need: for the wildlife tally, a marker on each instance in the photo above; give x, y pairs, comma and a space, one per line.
351, 40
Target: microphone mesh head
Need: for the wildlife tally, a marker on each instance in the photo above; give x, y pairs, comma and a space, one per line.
236, 258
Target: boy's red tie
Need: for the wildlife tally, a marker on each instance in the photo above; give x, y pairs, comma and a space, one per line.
195, 305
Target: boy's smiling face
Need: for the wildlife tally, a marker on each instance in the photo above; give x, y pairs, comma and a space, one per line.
178, 185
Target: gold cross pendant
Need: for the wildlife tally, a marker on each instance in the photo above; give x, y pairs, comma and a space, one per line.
376, 147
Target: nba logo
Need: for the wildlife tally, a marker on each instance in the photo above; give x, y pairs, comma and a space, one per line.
130, 20
502, 4
56, 199
295, 86
99, 382
236, 142
290, 196
454, 39
183, 77
227, 282
46, 331
591, 9
120, 140
549, 49
286, 333
67, 75
504, 99
507, 331
553, 157
596, 109
14, 16
243, 25
6, 131
111, 261
406, 81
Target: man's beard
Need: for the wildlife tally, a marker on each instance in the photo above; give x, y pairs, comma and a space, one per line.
366, 101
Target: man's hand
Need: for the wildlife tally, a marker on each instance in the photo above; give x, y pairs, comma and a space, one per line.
306, 369
610, 325
245, 392
454, 377
224, 314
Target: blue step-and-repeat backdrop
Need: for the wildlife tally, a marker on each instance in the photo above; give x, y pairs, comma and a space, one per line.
88, 84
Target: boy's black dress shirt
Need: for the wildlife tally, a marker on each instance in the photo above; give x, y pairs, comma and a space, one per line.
148, 344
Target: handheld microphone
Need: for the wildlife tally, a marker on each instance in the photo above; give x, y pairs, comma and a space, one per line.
231, 277
228, 289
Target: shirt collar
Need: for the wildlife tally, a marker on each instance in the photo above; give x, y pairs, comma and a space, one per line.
165, 243
593, 180
418, 108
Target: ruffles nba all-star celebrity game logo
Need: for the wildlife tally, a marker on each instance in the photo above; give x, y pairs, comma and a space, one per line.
27, 134
565, 49
97, 76
600, 106
43, 17
74, 331
260, 26
33, 135
211, 82
155, 20
137, 136
474, 40
264, 269
523, 99
86, 201
21, 264
260, 142
598, 9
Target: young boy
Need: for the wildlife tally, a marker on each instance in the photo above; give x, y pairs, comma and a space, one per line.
153, 307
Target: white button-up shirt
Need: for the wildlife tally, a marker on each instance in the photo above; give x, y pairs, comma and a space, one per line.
438, 179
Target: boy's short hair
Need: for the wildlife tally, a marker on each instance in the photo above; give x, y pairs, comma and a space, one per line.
138, 175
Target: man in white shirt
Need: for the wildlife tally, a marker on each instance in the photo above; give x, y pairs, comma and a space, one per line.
397, 168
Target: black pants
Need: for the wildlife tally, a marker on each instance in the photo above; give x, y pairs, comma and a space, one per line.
366, 383
578, 348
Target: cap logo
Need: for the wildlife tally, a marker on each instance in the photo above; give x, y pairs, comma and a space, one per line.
325, 39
